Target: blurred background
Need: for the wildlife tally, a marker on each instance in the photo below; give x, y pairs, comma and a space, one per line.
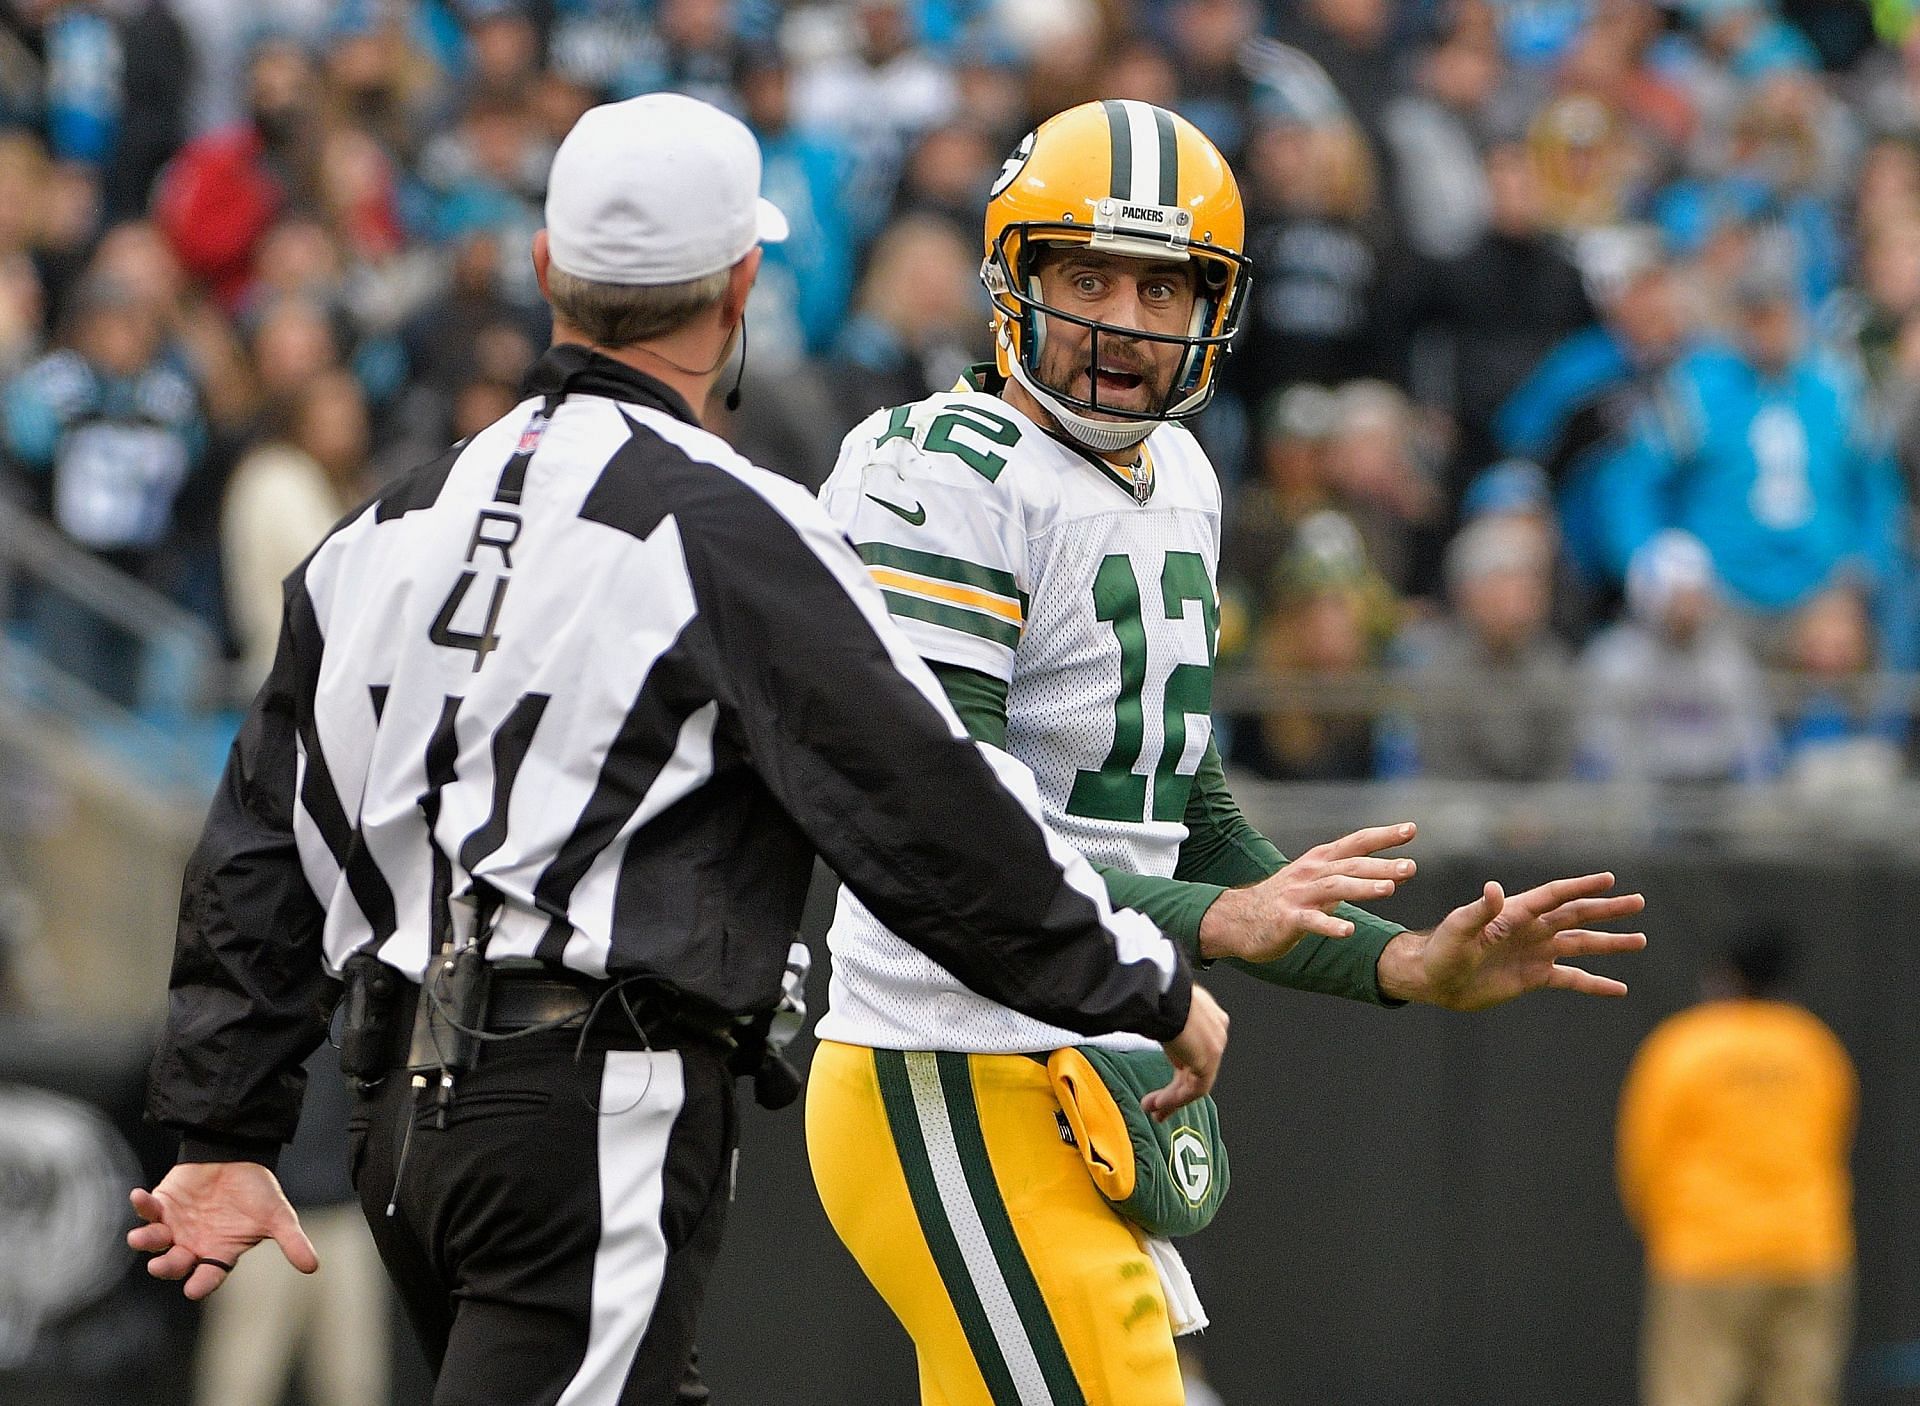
1569, 453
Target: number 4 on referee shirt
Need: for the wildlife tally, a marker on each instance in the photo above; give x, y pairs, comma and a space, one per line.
496, 528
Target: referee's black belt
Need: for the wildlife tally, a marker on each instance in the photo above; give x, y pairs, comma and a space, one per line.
633, 1015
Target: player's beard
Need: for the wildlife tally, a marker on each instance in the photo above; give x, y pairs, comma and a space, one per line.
1065, 371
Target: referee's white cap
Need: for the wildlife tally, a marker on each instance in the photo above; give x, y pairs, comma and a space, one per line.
657, 189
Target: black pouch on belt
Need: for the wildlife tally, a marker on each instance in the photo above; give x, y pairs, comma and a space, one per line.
366, 1030
452, 1011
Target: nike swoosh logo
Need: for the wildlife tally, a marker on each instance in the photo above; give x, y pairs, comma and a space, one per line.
913, 519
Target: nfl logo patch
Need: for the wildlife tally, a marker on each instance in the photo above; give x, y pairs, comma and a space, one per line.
530, 436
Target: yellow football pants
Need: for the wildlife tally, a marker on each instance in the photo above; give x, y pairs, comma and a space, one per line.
948, 1178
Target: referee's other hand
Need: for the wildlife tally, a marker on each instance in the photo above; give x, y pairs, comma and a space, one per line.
204, 1215
1195, 1054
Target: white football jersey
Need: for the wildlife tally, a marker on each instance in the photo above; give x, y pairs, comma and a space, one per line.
1001, 549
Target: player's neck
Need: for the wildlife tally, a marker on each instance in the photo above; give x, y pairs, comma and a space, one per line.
1028, 404
665, 359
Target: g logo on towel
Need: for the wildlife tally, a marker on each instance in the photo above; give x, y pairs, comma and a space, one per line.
1192, 1168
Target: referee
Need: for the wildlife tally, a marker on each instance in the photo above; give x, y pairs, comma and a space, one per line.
555, 728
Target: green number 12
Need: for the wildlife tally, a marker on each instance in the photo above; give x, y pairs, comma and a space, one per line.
1116, 791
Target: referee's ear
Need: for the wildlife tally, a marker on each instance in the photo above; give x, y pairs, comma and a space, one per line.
542, 259
733, 307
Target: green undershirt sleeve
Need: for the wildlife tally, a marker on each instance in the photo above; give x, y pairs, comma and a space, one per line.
1222, 848
1221, 851
1176, 908
980, 700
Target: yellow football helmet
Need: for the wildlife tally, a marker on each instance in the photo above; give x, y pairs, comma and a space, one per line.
1127, 178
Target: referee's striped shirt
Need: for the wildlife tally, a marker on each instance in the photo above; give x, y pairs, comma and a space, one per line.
596, 684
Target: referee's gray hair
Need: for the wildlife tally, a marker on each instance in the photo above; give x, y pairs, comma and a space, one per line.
620, 314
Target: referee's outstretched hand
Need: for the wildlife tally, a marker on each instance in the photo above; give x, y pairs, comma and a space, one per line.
1195, 1054
204, 1215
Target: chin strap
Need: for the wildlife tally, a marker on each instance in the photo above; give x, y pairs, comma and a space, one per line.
1101, 436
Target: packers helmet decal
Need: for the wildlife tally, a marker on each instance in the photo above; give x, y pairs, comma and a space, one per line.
1126, 178
1013, 165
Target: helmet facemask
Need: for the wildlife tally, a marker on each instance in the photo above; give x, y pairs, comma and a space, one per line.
1010, 275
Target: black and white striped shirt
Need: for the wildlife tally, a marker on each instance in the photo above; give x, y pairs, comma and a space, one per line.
597, 683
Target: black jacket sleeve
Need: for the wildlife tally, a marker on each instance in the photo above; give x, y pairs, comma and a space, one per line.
849, 731
249, 998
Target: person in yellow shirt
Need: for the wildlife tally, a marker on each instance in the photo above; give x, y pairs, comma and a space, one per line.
1736, 1123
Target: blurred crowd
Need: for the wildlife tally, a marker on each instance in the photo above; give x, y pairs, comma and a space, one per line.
1576, 406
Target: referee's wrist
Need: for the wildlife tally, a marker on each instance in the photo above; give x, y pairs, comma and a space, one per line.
207, 1147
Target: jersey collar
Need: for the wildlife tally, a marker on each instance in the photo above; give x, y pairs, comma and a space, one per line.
1136, 480
569, 368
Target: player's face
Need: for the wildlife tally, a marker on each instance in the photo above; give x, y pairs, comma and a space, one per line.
1145, 294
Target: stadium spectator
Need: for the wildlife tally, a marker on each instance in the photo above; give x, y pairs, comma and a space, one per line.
1765, 452
1736, 1123
1291, 485
1313, 235
1672, 692
502, 46
1332, 614
489, 176
1376, 478
1435, 134
916, 323
1582, 401
375, 78
283, 498
136, 256
224, 190
1209, 46
1491, 675
111, 431
1586, 159
1500, 307
1352, 41
877, 95
1516, 491
1846, 737
293, 341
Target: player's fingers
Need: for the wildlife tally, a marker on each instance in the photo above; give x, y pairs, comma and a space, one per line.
1325, 924
1185, 1086
1582, 942
1369, 841
1548, 896
1585, 912
1398, 870
1584, 983
1483, 909
177, 1263
1338, 888
150, 1238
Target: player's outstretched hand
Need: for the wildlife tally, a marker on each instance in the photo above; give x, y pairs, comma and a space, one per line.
1497, 948
1195, 1054
204, 1215
1264, 922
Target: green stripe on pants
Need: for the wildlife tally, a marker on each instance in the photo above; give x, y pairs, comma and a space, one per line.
896, 1093
956, 1082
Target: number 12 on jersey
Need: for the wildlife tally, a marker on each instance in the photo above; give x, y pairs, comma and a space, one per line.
1117, 791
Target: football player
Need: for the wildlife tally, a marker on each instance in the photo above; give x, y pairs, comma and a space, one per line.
1048, 534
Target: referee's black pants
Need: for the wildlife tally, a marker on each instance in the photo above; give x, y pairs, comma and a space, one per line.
545, 1251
